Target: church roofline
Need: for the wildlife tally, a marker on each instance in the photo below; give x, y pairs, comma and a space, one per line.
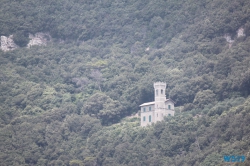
152, 103
170, 100
148, 103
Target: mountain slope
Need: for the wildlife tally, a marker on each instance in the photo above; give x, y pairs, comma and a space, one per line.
67, 102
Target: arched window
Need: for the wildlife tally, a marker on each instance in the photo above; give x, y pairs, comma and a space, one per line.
161, 91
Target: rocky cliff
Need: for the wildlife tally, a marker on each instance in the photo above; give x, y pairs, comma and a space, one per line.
39, 39
7, 43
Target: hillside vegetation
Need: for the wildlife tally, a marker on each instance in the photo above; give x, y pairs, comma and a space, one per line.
68, 103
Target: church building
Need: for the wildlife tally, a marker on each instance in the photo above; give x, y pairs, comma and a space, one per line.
152, 112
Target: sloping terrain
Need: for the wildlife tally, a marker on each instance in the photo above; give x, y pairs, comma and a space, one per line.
66, 103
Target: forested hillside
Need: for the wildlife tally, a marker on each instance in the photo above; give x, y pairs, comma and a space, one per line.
69, 102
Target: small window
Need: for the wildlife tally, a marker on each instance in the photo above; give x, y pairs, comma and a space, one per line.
144, 109
156, 92
169, 114
144, 118
169, 107
149, 108
161, 91
149, 118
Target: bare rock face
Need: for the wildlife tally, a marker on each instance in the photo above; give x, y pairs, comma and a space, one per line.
7, 43
38, 39
228, 38
240, 32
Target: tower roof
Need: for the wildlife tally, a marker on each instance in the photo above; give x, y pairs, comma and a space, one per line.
160, 84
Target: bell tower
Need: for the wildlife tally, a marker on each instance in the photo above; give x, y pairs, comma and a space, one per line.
160, 91
160, 98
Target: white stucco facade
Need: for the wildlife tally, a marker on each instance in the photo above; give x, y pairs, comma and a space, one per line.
152, 112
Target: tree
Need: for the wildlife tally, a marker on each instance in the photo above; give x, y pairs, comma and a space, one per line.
96, 75
75, 163
203, 98
21, 38
102, 106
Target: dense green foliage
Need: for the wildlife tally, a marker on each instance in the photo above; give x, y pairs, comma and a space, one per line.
67, 103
